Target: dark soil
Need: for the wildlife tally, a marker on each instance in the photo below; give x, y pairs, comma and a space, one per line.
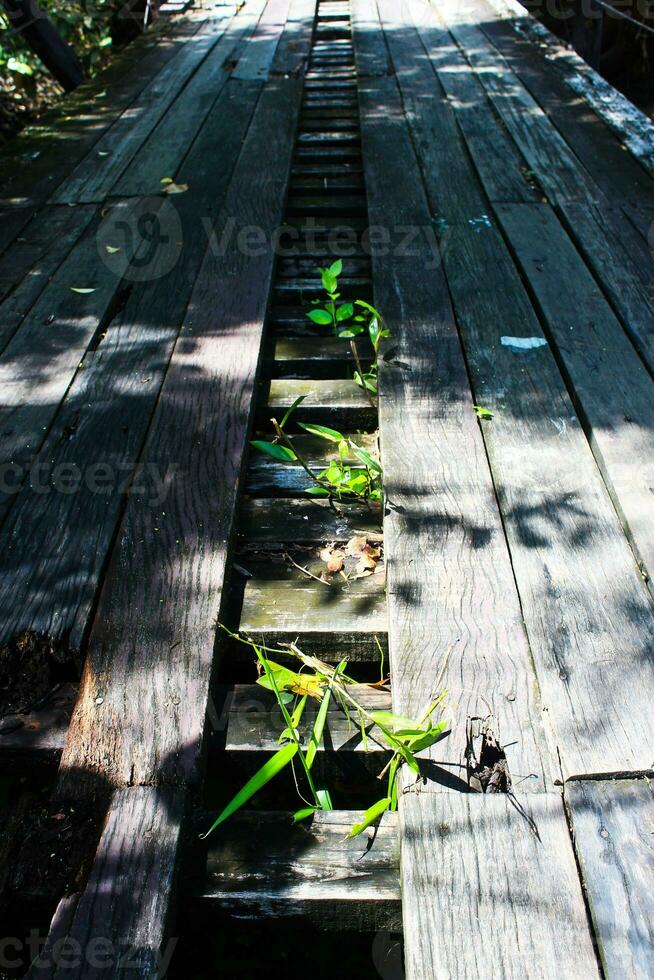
31, 666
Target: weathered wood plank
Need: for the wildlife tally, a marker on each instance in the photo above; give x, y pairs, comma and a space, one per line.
257, 58
588, 616
56, 544
342, 619
285, 520
163, 152
295, 43
617, 173
612, 831
486, 885
262, 864
127, 894
624, 273
43, 356
325, 401
501, 166
219, 352
370, 50
558, 170
93, 178
33, 259
610, 385
454, 615
68, 131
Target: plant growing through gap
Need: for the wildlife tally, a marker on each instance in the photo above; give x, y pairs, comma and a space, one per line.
340, 479
329, 686
349, 321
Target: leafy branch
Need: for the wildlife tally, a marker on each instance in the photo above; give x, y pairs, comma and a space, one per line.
314, 679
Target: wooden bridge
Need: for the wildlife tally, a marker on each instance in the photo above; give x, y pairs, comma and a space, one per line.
160, 232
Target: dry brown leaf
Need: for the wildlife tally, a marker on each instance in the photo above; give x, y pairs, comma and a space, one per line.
356, 545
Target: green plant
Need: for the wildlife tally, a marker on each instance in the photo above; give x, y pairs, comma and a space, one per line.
329, 686
340, 479
349, 321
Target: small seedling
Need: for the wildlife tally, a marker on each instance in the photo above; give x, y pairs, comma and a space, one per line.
349, 321
341, 479
330, 686
482, 413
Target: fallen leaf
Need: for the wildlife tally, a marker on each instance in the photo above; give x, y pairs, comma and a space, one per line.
112, 249
166, 180
175, 189
356, 545
81, 289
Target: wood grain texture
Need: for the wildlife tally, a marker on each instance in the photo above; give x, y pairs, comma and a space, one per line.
586, 609
500, 880
319, 521
609, 383
501, 166
201, 422
258, 56
263, 865
94, 177
163, 152
454, 616
65, 133
556, 167
33, 259
612, 829
294, 45
617, 173
371, 54
127, 894
55, 545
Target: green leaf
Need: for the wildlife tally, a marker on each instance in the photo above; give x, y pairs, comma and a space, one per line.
296, 717
366, 458
82, 289
324, 799
349, 332
268, 771
390, 720
336, 268
304, 813
329, 282
289, 411
344, 312
317, 491
320, 316
372, 813
429, 738
482, 413
322, 431
319, 724
274, 449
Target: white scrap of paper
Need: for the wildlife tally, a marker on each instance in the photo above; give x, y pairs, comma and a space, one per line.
523, 343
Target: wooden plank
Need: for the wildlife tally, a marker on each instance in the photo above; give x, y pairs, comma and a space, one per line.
68, 131
501, 166
612, 831
607, 379
325, 401
285, 520
55, 545
33, 259
11, 222
624, 273
587, 612
281, 604
370, 50
262, 864
93, 178
258, 56
295, 43
163, 152
557, 169
618, 174
153, 635
486, 886
454, 612
222, 363
128, 893
43, 356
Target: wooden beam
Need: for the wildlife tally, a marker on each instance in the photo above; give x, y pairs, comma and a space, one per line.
28, 20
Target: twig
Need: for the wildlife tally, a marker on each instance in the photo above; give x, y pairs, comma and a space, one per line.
306, 570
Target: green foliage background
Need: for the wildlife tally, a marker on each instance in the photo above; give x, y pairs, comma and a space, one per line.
85, 24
